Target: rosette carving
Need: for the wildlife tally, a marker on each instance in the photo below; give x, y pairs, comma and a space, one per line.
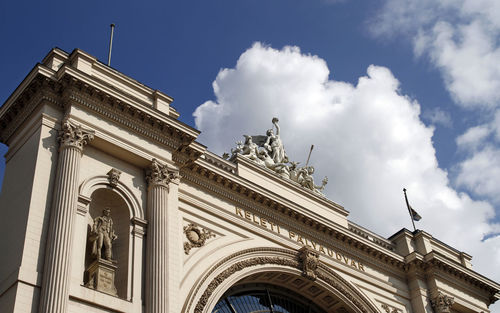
160, 174
72, 135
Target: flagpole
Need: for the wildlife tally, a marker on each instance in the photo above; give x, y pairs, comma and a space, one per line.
409, 211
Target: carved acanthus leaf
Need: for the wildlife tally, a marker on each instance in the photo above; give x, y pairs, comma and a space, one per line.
72, 135
160, 174
442, 303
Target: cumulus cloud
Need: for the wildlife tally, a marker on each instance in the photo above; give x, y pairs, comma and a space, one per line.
369, 141
459, 37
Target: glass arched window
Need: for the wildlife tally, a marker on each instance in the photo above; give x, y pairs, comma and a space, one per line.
264, 299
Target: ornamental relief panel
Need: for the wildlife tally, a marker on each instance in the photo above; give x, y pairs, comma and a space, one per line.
196, 237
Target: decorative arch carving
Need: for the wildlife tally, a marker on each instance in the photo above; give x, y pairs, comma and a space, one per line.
287, 260
97, 182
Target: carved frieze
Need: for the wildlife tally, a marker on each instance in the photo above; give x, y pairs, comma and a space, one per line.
114, 177
72, 135
442, 303
160, 174
389, 309
309, 259
196, 237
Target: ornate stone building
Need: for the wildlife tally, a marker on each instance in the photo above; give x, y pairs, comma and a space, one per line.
109, 204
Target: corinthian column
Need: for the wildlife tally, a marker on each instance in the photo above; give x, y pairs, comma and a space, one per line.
55, 285
162, 224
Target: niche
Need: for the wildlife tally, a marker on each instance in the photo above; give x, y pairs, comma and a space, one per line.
120, 215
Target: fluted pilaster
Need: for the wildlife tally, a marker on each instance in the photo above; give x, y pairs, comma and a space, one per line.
55, 285
157, 256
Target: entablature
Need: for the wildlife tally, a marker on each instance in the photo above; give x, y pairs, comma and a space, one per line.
247, 193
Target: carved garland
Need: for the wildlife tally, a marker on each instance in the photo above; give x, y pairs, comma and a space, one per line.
196, 237
289, 259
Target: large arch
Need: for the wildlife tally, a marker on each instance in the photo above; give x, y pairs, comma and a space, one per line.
258, 265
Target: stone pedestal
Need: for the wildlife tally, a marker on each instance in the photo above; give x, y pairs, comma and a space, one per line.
102, 276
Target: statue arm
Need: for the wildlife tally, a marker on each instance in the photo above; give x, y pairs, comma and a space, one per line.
277, 129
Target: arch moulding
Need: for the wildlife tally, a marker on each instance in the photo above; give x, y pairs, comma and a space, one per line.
239, 265
102, 182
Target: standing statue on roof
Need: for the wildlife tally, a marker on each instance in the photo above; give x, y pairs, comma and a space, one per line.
274, 145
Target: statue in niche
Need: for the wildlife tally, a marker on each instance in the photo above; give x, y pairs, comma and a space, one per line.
268, 151
102, 235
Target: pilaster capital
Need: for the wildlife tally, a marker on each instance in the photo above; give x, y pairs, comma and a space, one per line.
442, 303
72, 135
160, 174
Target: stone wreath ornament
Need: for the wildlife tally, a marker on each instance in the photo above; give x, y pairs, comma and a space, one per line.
196, 237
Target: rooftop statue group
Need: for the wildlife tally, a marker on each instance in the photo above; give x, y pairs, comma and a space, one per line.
268, 151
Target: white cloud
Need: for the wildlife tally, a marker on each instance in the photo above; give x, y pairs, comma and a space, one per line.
480, 173
459, 36
369, 141
473, 137
461, 39
438, 117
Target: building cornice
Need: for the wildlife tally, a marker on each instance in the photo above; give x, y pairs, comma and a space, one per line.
246, 193
70, 86
436, 263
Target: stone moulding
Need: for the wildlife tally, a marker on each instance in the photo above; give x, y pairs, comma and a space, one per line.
12, 117
236, 192
282, 258
139, 120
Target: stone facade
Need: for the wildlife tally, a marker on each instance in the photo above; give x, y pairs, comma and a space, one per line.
190, 226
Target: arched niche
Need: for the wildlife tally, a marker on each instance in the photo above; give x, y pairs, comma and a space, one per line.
95, 194
106, 198
280, 268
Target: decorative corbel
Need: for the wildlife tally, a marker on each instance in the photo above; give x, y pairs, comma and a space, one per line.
114, 177
310, 261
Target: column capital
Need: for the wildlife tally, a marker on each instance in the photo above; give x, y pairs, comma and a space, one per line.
160, 174
72, 135
442, 303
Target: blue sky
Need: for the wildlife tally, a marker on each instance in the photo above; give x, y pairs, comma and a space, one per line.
433, 125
